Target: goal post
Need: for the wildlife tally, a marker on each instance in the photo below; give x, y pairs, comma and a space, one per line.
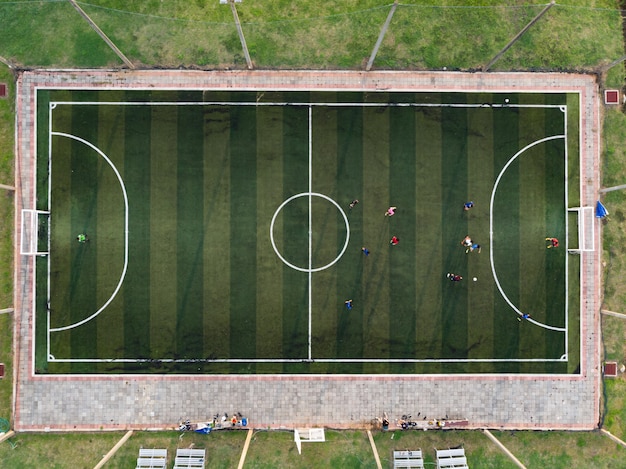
35, 233
308, 435
585, 217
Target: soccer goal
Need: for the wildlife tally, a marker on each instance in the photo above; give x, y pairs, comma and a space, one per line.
35, 234
308, 435
586, 232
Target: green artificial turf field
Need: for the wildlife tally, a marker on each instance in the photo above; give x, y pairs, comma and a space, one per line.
221, 240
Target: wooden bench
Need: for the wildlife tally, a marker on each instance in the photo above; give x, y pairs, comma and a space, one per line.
410, 459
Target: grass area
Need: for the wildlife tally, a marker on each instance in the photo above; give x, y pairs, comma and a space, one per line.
563, 449
7, 139
345, 450
480, 452
614, 329
615, 407
342, 449
308, 34
223, 449
57, 451
6, 357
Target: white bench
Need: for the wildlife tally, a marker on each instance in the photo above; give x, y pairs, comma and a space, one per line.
410, 459
152, 458
452, 463
189, 458
190, 453
189, 462
450, 453
150, 463
451, 458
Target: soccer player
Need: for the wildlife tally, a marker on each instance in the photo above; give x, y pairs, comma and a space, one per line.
472, 248
554, 243
454, 277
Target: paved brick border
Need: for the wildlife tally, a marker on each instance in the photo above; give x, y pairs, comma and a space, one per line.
127, 402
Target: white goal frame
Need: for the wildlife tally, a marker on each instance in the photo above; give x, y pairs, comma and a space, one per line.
29, 234
586, 229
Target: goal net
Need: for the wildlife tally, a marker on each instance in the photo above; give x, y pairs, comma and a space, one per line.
308, 435
585, 217
35, 234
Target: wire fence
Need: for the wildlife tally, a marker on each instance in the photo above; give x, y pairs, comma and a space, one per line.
52, 34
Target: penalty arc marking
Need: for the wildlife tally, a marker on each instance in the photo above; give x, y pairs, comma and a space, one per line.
119, 284
493, 195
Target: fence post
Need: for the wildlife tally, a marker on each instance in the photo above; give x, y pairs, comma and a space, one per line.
7, 63
383, 31
101, 34
241, 36
518, 35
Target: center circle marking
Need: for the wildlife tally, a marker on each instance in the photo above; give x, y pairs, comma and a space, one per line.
345, 219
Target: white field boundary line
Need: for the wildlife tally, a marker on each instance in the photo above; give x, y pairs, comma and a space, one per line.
314, 360
301, 104
48, 341
566, 201
125, 267
309, 106
491, 261
310, 273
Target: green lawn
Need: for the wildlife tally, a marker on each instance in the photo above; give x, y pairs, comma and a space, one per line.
279, 34
7, 165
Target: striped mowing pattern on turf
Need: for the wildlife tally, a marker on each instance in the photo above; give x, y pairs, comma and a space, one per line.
205, 291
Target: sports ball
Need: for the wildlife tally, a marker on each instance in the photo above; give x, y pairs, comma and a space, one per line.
474, 279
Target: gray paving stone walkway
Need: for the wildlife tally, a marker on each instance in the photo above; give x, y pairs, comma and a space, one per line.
138, 402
